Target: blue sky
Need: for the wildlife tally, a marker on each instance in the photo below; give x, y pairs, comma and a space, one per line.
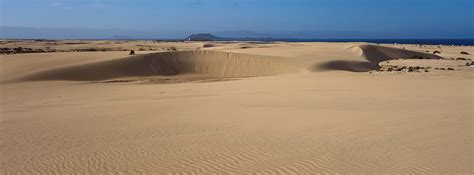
397, 18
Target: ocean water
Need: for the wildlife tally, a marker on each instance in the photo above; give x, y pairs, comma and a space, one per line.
457, 42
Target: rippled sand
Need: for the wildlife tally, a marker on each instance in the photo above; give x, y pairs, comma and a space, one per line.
243, 108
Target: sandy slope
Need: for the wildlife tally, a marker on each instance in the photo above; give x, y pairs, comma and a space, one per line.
317, 112
208, 63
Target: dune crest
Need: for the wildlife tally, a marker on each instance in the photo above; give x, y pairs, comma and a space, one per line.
373, 55
205, 63
121, 114
378, 54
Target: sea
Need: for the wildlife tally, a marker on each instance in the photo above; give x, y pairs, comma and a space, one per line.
457, 42
449, 42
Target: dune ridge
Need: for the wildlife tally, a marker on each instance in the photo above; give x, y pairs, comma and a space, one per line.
373, 55
216, 64
205, 63
310, 122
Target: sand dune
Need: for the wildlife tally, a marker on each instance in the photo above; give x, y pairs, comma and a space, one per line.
215, 64
205, 63
373, 55
303, 119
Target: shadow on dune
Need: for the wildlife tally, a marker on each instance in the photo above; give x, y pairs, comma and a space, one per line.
202, 63
372, 55
352, 66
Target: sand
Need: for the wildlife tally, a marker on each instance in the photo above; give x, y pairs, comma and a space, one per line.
242, 108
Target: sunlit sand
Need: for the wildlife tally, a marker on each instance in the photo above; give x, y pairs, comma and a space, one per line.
241, 107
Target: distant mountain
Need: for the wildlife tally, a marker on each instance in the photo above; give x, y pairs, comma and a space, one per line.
203, 37
210, 37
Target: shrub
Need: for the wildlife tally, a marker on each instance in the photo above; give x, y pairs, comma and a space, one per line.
132, 52
436, 52
464, 53
208, 45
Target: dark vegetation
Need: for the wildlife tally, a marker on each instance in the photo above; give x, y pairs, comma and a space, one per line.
172, 48
207, 45
18, 50
391, 68
22, 50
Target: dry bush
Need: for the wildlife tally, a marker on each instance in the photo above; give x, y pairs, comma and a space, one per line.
208, 45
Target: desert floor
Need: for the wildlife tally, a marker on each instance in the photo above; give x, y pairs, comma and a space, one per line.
236, 107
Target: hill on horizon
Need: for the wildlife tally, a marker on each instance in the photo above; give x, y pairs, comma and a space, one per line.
202, 37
